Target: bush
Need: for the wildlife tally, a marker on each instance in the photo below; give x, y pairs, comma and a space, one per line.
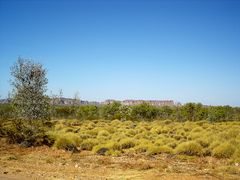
224, 150
100, 149
142, 148
103, 133
88, 112
88, 144
126, 143
67, 140
204, 141
190, 148
22, 132
6, 111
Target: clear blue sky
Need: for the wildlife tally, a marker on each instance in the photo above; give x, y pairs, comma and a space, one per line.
185, 50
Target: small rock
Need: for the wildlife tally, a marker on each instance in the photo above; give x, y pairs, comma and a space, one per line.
76, 165
236, 164
5, 172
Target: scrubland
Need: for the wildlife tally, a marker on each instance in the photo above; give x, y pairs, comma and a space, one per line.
104, 149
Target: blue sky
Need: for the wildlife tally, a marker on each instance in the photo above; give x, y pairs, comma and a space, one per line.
185, 50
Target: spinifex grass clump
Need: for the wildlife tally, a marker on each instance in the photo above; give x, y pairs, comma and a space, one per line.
190, 148
224, 150
67, 140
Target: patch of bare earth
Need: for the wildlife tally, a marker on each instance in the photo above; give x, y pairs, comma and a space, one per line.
47, 163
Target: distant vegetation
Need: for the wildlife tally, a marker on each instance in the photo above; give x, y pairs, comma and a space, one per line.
143, 112
187, 112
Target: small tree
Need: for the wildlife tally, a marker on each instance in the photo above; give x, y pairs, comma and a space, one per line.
30, 104
29, 87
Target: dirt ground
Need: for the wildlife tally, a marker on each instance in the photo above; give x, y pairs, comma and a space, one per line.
47, 163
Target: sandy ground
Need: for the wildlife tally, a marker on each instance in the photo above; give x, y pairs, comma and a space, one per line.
18, 163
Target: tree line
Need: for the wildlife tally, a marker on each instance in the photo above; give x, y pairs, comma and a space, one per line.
187, 112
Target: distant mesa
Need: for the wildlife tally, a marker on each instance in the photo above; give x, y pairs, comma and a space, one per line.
137, 102
4, 101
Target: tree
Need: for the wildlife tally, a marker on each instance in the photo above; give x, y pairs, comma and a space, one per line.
111, 111
76, 99
189, 111
29, 87
87, 112
144, 111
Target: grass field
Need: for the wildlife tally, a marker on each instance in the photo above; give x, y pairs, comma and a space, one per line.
129, 150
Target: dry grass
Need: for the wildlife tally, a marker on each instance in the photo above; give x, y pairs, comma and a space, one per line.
49, 163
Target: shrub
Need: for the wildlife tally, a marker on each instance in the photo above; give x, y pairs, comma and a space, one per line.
172, 144
21, 132
88, 144
190, 148
88, 112
103, 133
127, 143
66, 140
224, 150
204, 141
100, 149
142, 145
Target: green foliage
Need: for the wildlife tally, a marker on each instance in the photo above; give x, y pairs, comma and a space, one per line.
20, 131
188, 112
88, 112
6, 111
63, 111
30, 108
144, 111
29, 85
111, 111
